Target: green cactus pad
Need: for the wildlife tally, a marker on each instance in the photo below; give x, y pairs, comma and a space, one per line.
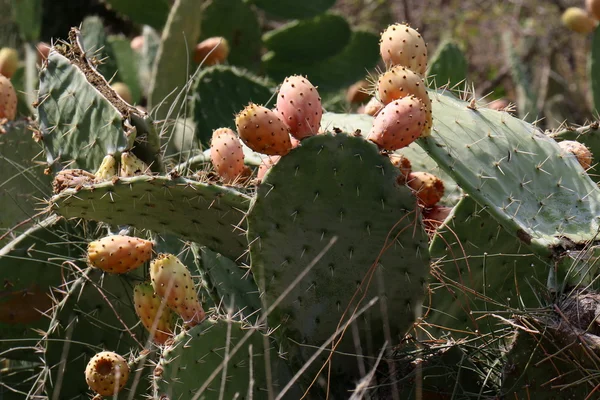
337, 186
95, 43
208, 214
147, 57
332, 73
500, 272
594, 63
347, 122
448, 66
27, 14
295, 41
153, 13
294, 9
220, 93
126, 64
171, 70
187, 364
236, 21
516, 172
30, 266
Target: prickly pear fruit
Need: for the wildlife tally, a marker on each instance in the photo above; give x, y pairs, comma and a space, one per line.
107, 169
579, 150
9, 62
402, 45
499, 104
578, 20
399, 124
119, 254
8, 99
131, 165
137, 43
299, 105
266, 165
435, 216
263, 131
211, 51
227, 154
403, 164
593, 8
147, 306
358, 93
107, 373
373, 107
428, 188
173, 281
123, 91
43, 49
399, 82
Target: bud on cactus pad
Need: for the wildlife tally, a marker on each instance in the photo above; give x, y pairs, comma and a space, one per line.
403, 164
9, 62
263, 131
579, 150
107, 373
399, 82
173, 281
123, 91
402, 45
227, 154
299, 105
119, 254
399, 124
373, 107
428, 188
147, 305
8, 99
211, 51
578, 20
131, 165
593, 8
107, 169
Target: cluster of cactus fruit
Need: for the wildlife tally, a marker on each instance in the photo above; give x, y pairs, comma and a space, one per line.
301, 254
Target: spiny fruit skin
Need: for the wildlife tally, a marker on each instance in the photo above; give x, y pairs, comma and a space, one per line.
119, 254
578, 20
358, 93
399, 82
402, 45
428, 188
579, 150
204, 53
263, 131
435, 216
266, 165
107, 169
172, 281
8, 99
43, 50
399, 124
123, 91
227, 154
373, 107
593, 8
403, 164
131, 165
9, 62
147, 304
107, 373
299, 105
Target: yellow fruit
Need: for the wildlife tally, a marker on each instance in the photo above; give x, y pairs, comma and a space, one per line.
578, 20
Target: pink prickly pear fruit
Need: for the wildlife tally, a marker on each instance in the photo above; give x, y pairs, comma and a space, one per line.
358, 93
8, 99
435, 216
107, 169
428, 188
593, 8
227, 155
43, 50
173, 282
403, 164
119, 254
499, 104
9, 61
137, 43
299, 105
295, 142
372, 108
266, 165
579, 150
147, 306
263, 131
107, 373
578, 20
211, 51
399, 124
402, 45
123, 91
131, 165
399, 82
